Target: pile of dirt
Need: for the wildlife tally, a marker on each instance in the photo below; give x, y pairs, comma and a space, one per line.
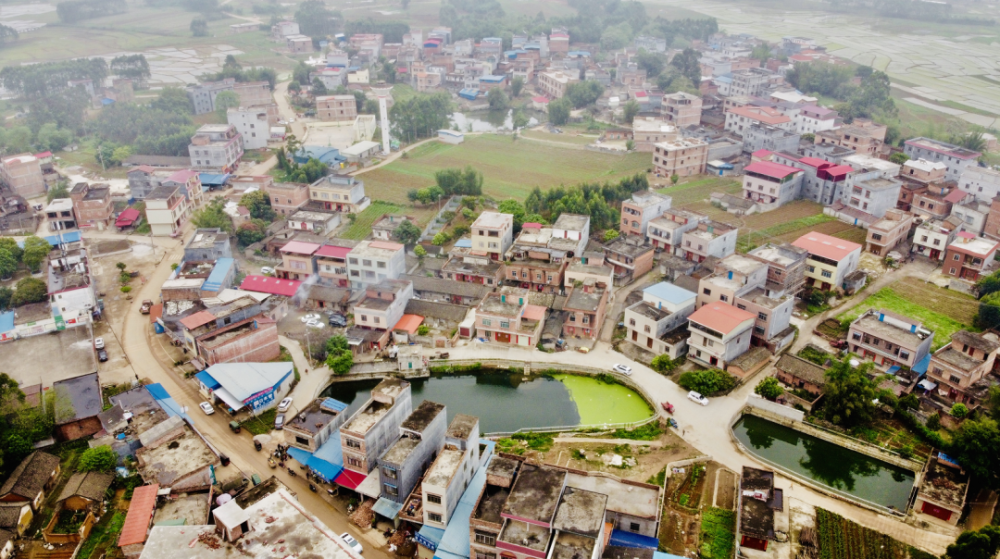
363, 516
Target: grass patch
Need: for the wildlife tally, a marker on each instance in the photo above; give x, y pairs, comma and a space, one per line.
658, 479
362, 226
700, 189
103, 535
718, 533
648, 432
262, 423
536, 441
966, 108
814, 355
753, 239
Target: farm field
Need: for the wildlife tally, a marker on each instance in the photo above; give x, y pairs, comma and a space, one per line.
941, 310
840, 538
699, 190
362, 226
510, 169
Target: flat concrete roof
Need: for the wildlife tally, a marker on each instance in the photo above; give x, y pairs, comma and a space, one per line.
526, 535
49, 358
421, 417
535, 494
168, 462
461, 426
581, 512
625, 498
572, 546
444, 468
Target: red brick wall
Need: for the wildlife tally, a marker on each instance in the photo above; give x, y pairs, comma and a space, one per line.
257, 346
78, 429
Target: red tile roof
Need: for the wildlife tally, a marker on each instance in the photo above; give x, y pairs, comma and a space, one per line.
533, 312
840, 170
332, 251
140, 511
409, 323
955, 196
183, 176
762, 153
299, 247
127, 217
770, 169
766, 115
197, 319
274, 286
720, 317
814, 161
155, 312
826, 246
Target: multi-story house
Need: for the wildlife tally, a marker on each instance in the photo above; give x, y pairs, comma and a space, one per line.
508, 317
452, 471
732, 276
421, 438
331, 264
932, 237
92, 205
252, 340
981, 182
493, 233
314, 425
216, 147
751, 82
786, 266
642, 208
203, 95
385, 226
770, 184
771, 138
864, 163
553, 83
682, 109
253, 125
649, 131
863, 136
812, 119
822, 181
772, 317
960, 367
336, 108
383, 305
167, 209
370, 431
739, 119
532, 264
208, 245
570, 232
719, 333
585, 307
374, 261
889, 339
60, 214
70, 287
970, 257
667, 231
658, 322
22, 173
708, 239
885, 234
287, 197
340, 194
871, 193
297, 261
254, 94
190, 183
971, 215
957, 158
924, 171
629, 258
830, 259
468, 265
682, 157
588, 268
317, 223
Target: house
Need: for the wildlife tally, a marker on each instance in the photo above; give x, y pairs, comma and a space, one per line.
971, 215
957, 158
585, 307
932, 237
315, 424
473, 266
629, 258
682, 109
252, 124
553, 83
771, 185
887, 233
822, 181
331, 263
666, 232
531, 262
862, 135
60, 214
812, 119
935, 201
943, 489
336, 108
970, 257
739, 119
78, 401
22, 173
361, 151
871, 193
383, 305
297, 262
493, 233
339, 193
509, 318
287, 198
374, 261
371, 430
137, 520
255, 386
800, 374
92, 205
983, 183
203, 95
960, 368
719, 333
992, 227
31, 481
657, 322
707, 239
924, 171
208, 245
758, 137
420, 439
640, 209
786, 265
167, 210
830, 259
385, 226
216, 147
85, 490
758, 499
317, 223
450, 474
298, 44
889, 339
70, 287
648, 131
683, 157
252, 340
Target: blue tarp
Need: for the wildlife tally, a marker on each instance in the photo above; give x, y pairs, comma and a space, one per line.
921, 367
6, 321
165, 401
455, 542
206, 379
430, 537
70, 237
213, 179
469, 94
219, 272
332, 404
893, 370
628, 539
328, 461
463, 243
387, 508
301, 456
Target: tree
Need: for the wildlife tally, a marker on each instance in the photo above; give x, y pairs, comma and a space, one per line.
899, 158
317, 88
97, 459
224, 101
132, 66
976, 444
761, 52
52, 138
707, 382
809, 137
584, 93
59, 190
849, 394
616, 36
7, 34
629, 145
295, 87
173, 100
121, 266
959, 411
981, 544
629, 111
199, 27
29, 290
688, 64
972, 141
10, 393
516, 85
17, 139
213, 215
420, 251
652, 62
11, 245
440, 239
467, 182
36, 250
338, 355
498, 100
664, 364
421, 115
8, 264
559, 111
407, 233
314, 19
910, 401
6, 298
611, 235
769, 388
120, 154
259, 204
251, 232
516, 209
674, 178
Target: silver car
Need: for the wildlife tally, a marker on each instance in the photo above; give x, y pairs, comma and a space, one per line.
696, 397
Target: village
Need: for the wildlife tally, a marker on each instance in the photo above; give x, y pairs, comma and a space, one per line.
414, 291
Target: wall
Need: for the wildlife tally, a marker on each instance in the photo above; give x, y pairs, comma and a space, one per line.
258, 345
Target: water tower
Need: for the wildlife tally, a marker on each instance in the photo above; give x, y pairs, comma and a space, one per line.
383, 92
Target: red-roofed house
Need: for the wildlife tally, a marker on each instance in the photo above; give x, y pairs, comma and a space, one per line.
271, 286
741, 118
822, 181
761, 155
771, 184
830, 259
140, 513
331, 265
297, 262
719, 334
190, 183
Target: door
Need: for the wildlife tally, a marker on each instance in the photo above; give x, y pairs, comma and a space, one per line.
935, 511
935, 254
503, 337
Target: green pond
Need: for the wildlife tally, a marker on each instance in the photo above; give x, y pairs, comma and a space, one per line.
504, 402
834, 466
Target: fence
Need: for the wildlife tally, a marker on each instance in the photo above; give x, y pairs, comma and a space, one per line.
437, 225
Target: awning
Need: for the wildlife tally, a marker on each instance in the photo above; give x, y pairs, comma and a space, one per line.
430, 537
208, 380
323, 469
628, 539
927, 385
387, 508
921, 366
372, 486
300, 456
893, 370
350, 479
229, 399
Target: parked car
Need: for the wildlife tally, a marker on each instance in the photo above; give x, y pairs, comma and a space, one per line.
267, 270
623, 369
207, 408
309, 317
315, 323
351, 542
102, 355
279, 421
98, 343
338, 320
284, 405
696, 397
146, 305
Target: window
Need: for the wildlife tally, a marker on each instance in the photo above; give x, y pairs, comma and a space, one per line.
856, 335
487, 322
724, 298
706, 291
827, 274
904, 355
485, 538
434, 517
504, 324
376, 320
355, 274
955, 379
366, 263
380, 265
952, 271
741, 306
351, 461
432, 498
353, 261
389, 472
352, 443
631, 322
364, 318
391, 489
634, 526
762, 316
956, 257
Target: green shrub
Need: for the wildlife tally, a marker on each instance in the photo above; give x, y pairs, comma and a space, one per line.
97, 459
959, 411
934, 422
707, 383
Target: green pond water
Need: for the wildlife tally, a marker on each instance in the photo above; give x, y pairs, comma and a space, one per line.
826, 463
505, 402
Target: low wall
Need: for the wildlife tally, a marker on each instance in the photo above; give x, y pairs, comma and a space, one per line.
785, 412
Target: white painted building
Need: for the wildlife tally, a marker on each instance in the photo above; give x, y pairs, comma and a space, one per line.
252, 124
981, 182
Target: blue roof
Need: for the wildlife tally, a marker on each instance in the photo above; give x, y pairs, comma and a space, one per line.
71, 237
6, 321
628, 539
387, 508
332, 404
429, 535
166, 402
669, 292
325, 154
469, 93
212, 179
662, 555
492, 79
463, 243
301, 456
207, 380
455, 542
243, 380
219, 272
921, 366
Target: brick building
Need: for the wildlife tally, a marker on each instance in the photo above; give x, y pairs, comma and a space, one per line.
92, 205
336, 108
254, 340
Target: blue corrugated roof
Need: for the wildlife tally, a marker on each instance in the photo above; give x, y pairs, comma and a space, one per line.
387, 508
669, 292
207, 380
301, 456
455, 542
6, 321
328, 460
70, 237
332, 404
491, 79
463, 243
213, 179
921, 366
628, 539
218, 275
469, 93
429, 537
165, 401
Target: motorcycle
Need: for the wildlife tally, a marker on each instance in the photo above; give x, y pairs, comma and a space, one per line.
291, 472
312, 488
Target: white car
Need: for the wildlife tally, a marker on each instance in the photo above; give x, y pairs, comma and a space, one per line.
267, 271
309, 317
98, 343
695, 397
284, 405
351, 542
315, 323
623, 369
207, 408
